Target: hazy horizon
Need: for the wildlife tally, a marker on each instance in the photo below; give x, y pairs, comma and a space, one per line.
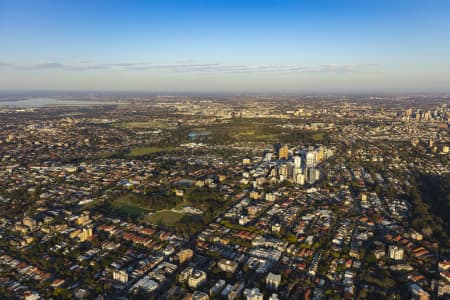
85, 94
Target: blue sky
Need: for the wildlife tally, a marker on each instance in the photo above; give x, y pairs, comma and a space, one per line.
236, 46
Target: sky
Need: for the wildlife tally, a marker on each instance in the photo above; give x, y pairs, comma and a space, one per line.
226, 45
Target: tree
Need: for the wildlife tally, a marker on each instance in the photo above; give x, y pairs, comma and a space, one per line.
370, 259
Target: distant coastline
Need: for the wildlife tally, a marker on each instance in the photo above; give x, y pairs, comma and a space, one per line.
45, 101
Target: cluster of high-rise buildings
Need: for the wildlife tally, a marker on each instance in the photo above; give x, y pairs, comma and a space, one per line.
440, 113
296, 165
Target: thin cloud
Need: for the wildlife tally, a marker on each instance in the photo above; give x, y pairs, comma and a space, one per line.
197, 67
45, 66
60, 66
337, 68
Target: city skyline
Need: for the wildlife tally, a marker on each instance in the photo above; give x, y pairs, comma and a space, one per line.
225, 46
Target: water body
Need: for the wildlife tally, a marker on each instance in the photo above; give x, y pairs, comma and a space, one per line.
43, 102
198, 134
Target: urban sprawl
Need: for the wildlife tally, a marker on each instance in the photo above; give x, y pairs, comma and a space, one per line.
202, 198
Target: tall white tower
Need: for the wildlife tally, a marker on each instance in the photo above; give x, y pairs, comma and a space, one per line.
310, 159
297, 162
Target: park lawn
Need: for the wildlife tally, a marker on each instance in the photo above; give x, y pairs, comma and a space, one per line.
165, 217
247, 130
144, 150
144, 125
261, 130
128, 205
254, 135
318, 137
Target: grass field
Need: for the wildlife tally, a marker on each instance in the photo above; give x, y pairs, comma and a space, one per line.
318, 137
144, 125
140, 151
253, 135
246, 130
263, 130
128, 205
166, 218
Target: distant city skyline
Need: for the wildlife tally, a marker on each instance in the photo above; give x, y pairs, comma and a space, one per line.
226, 46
